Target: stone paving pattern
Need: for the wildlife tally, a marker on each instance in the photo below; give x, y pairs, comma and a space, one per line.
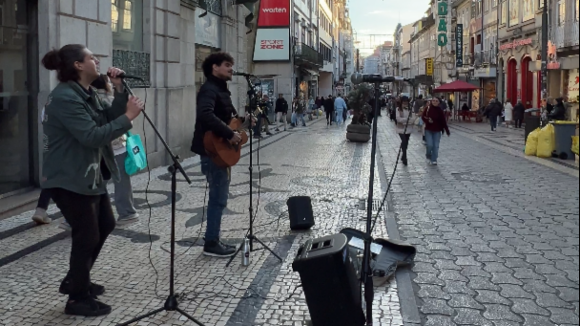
497, 234
313, 161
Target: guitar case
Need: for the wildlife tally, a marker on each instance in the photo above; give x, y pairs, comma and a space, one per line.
384, 265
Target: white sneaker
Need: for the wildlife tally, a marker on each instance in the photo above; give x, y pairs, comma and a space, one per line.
434, 163
41, 217
65, 226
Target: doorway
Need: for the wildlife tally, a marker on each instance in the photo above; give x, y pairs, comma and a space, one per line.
527, 83
512, 81
17, 95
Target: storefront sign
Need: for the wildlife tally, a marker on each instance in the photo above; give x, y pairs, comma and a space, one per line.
443, 12
459, 46
516, 44
488, 72
553, 62
272, 44
429, 68
573, 85
274, 13
207, 31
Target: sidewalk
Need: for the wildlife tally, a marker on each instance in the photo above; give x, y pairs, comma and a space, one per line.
315, 161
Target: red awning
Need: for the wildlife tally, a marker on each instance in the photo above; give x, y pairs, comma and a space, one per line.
456, 86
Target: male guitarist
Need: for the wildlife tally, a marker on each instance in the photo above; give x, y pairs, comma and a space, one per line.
215, 110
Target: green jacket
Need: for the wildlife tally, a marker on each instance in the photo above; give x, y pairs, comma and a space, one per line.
78, 131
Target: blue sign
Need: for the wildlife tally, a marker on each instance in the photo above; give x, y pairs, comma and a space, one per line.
459, 46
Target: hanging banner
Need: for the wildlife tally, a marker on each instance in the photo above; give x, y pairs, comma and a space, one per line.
442, 12
459, 46
429, 67
272, 44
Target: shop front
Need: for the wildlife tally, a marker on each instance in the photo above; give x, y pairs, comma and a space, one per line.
18, 117
521, 80
207, 41
487, 77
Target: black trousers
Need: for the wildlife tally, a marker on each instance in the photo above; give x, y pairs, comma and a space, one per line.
519, 122
405, 145
92, 220
44, 199
329, 115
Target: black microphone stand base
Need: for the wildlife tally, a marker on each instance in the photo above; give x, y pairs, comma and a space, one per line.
171, 304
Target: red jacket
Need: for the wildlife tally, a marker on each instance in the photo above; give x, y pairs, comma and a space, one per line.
435, 120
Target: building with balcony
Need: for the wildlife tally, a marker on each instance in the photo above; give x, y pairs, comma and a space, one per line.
163, 42
563, 59
423, 43
326, 41
519, 60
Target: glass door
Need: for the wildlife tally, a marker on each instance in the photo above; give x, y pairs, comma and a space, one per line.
15, 158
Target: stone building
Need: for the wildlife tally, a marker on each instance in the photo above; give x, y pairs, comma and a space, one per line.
162, 41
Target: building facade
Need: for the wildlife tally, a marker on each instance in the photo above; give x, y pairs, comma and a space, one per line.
162, 41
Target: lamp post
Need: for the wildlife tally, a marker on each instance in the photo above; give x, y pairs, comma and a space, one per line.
545, 40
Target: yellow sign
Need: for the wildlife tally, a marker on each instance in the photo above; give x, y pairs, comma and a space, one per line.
429, 68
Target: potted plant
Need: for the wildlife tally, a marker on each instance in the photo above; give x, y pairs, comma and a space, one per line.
360, 130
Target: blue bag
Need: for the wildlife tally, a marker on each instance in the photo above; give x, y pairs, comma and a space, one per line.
136, 160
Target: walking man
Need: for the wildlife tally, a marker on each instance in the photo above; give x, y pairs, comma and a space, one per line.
340, 107
281, 112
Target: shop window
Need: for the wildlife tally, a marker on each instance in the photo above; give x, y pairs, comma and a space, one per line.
127, 24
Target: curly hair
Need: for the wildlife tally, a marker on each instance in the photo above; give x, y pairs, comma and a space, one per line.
218, 59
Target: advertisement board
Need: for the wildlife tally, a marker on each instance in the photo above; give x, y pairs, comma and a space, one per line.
429, 67
272, 44
274, 13
459, 46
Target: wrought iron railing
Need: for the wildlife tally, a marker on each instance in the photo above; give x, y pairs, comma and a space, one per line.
566, 35
305, 54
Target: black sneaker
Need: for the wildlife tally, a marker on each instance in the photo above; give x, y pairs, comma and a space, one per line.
217, 249
94, 289
88, 307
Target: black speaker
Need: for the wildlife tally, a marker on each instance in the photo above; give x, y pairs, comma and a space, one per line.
300, 212
331, 287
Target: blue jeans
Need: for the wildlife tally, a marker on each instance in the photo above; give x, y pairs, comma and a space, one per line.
219, 188
433, 140
300, 117
339, 117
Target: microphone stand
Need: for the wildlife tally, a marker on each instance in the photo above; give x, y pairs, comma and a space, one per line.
171, 304
252, 96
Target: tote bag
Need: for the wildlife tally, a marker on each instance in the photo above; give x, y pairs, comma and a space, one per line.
136, 156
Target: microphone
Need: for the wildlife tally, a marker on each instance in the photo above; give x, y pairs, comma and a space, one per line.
125, 76
242, 74
358, 78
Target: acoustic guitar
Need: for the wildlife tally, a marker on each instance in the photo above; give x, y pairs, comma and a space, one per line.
220, 150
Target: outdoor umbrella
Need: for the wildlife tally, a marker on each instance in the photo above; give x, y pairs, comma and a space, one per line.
456, 86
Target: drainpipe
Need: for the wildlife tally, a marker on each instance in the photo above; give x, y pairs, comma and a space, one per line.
545, 39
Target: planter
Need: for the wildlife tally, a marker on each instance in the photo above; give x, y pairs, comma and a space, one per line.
358, 133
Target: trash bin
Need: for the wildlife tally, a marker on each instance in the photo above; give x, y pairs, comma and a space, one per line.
532, 123
564, 132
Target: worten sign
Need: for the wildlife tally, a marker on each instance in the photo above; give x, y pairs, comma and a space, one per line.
516, 44
274, 13
443, 13
459, 46
272, 44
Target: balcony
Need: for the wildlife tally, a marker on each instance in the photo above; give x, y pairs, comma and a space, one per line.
566, 35
306, 56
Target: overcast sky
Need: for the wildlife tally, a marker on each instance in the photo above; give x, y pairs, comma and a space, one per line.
382, 17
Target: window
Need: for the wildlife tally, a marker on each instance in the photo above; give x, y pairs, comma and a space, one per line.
127, 24
504, 12
577, 10
561, 12
494, 3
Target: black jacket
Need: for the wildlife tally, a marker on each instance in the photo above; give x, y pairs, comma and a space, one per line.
281, 105
329, 105
559, 113
214, 112
494, 110
519, 111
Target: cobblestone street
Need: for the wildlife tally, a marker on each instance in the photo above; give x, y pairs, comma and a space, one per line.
497, 235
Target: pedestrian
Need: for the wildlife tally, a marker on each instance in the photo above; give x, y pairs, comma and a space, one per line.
329, 110
40, 215
340, 107
493, 113
435, 125
300, 109
78, 159
266, 107
281, 112
419, 104
519, 112
559, 112
509, 113
405, 124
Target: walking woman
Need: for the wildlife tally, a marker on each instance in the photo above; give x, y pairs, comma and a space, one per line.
435, 124
78, 159
405, 124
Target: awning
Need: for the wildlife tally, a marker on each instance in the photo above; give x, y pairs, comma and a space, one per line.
456, 86
312, 72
